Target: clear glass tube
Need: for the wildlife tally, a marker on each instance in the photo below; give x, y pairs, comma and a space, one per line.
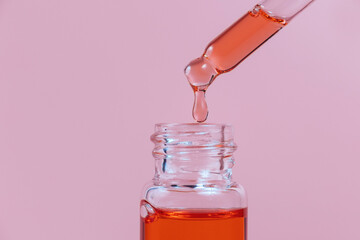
192, 188
284, 9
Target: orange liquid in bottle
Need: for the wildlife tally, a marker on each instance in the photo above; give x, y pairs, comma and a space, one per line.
194, 224
226, 51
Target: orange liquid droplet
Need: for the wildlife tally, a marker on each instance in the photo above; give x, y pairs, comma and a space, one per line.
200, 109
200, 74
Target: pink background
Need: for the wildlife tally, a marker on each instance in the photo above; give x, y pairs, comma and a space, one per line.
82, 83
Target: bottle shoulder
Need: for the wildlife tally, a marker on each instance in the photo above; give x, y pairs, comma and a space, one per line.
231, 196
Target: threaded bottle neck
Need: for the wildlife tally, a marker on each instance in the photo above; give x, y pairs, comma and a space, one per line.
193, 153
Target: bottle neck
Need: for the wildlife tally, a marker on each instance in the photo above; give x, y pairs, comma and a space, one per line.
193, 154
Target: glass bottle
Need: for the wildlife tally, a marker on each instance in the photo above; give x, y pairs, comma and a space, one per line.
192, 195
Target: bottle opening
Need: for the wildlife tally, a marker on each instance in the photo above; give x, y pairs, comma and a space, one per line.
193, 135
195, 152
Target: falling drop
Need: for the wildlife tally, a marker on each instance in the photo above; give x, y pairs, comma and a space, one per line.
200, 109
200, 74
